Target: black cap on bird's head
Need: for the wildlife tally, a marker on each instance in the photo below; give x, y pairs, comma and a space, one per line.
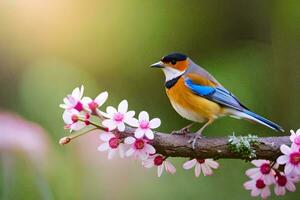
173, 60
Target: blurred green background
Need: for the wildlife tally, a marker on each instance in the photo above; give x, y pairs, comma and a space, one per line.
49, 47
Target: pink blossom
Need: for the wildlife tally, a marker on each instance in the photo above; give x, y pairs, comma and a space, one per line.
112, 144
282, 183
291, 160
295, 138
118, 118
145, 126
263, 170
72, 120
139, 148
18, 135
258, 187
73, 101
92, 105
161, 163
296, 179
204, 165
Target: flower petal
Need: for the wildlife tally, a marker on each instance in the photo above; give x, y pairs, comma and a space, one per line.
288, 169
142, 155
105, 137
149, 149
160, 169
256, 176
293, 136
103, 147
101, 98
63, 106
297, 170
81, 91
265, 192
86, 100
144, 116
252, 171
139, 133
169, 167
207, 171
129, 140
121, 150
249, 185
282, 159
155, 123
110, 112
213, 164
189, 164
72, 101
149, 134
295, 147
197, 170
121, 127
290, 186
123, 107
78, 126
130, 152
129, 115
269, 179
285, 149
148, 163
279, 191
76, 93
67, 117
131, 121
111, 153
255, 192
258, 163
66, 100
110, 124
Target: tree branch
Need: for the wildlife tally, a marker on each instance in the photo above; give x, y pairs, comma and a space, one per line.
178, 146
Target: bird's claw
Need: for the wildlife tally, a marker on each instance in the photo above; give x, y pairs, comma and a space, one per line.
182, 131
194, 139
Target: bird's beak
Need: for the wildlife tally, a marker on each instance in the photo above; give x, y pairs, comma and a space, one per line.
158, 65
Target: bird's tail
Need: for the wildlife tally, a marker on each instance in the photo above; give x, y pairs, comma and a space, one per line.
246, 114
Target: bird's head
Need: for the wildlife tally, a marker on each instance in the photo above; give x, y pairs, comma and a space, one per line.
173, 65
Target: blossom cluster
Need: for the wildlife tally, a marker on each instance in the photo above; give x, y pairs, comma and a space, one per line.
283, 173
80, 112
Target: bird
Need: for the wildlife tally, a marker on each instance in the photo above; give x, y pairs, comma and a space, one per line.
198, 97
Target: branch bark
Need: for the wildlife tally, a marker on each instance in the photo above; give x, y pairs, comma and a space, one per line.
178, 146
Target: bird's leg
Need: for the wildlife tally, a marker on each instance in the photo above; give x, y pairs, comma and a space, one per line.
183, 131
198, 134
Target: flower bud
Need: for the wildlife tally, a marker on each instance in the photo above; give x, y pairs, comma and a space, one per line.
64, 140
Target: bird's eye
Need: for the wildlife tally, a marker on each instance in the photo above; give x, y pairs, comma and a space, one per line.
173, 62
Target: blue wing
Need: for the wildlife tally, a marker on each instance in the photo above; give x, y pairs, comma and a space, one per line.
216, 94
223, 97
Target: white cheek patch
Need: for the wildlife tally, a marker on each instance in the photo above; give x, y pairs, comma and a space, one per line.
171, 73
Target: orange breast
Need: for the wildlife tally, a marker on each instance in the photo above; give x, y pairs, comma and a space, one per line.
191, 106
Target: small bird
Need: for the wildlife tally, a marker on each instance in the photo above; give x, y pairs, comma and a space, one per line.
197, 96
